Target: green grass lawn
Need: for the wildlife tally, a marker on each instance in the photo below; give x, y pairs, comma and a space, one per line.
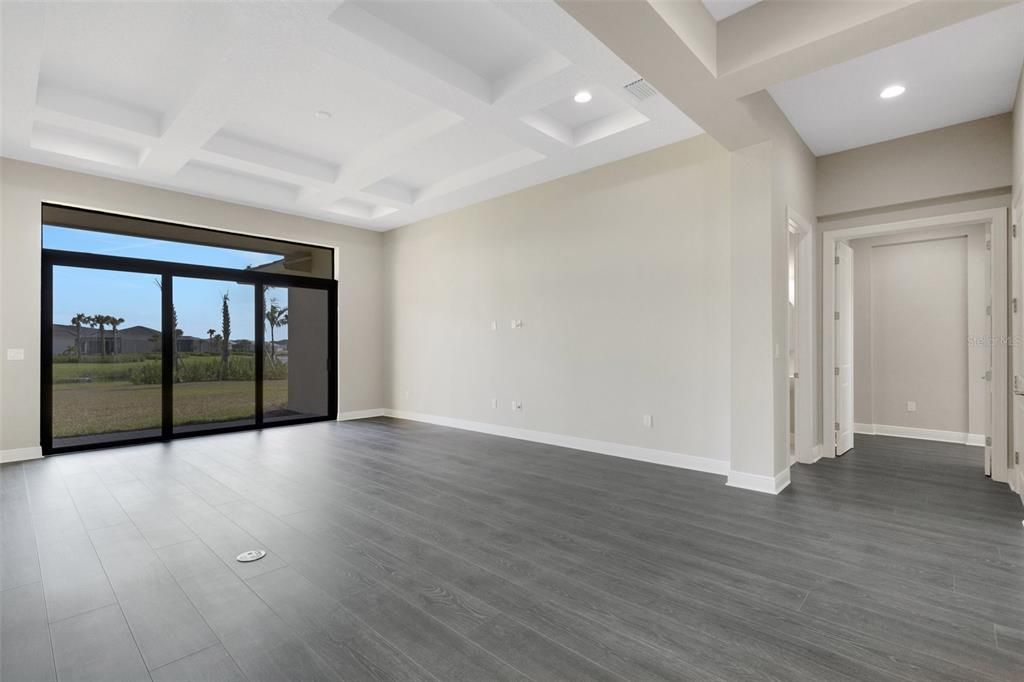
71, 372
81, 409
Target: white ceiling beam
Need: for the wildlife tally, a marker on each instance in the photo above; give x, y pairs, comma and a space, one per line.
776, 41
347, 37
642, 38
24, 50
772, 41
378, 160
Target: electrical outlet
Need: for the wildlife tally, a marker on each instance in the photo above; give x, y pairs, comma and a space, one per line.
648, 421
911, 406
517, 324
517, 405
15, 353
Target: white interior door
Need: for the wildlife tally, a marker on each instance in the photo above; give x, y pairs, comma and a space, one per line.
844, 347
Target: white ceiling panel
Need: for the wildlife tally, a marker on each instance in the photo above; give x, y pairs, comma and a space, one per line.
960, 73
372, 114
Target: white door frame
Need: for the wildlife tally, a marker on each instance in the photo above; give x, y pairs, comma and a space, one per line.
1016, 473
996, 218
842, 329
804, 436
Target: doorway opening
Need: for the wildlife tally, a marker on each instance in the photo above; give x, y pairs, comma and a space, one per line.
913, 333
800, 376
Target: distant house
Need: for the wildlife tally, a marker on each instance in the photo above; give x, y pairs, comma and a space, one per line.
192, 344
136, 339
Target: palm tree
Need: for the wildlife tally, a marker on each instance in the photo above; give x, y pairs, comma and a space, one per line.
175, 359
91, 321
78, 320
115, 322
276, 317
102, 321
210, 333
225, 348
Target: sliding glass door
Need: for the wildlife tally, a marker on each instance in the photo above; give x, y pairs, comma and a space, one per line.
137, 350
297, 354
214, 354
105, 354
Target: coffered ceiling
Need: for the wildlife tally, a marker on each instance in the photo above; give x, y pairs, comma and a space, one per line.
372, 114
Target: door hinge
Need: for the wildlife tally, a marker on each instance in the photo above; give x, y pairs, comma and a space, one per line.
837, 371
837, 426
1015, 231
1016, 458
988, 441
987, 376
988, 310
1015, 304
837, 260
836, 315
988, 244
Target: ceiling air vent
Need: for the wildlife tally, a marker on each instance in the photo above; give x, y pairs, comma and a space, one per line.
640, 89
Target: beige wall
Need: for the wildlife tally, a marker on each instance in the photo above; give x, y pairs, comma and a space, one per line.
961, 168
961, 159
24, 187
621, 278
918, 299
769, 180
1018, 140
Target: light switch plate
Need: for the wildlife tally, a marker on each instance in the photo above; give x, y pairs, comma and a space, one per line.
911, 406
15, 353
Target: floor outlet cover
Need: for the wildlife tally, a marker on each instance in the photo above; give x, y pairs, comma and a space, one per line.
251, 555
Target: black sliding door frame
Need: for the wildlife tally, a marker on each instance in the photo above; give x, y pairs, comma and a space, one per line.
166, 272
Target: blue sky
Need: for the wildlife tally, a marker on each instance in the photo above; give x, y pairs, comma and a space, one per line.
136, 296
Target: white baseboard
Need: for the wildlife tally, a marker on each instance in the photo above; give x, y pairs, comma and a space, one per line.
920, 434
21, 454
762, 484
976, 439
675, 459
364, 414
813, 456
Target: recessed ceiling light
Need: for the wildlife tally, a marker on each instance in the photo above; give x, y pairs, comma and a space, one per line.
323, 115
582, 97
892, 91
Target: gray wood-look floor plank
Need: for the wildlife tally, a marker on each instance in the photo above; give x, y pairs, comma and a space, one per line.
97, 646
165, 625
25, 650
19, 559
404, 551
212, 664
262, 644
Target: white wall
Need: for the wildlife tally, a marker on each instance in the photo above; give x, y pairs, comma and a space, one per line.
918, 299
24, 187
621, 277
